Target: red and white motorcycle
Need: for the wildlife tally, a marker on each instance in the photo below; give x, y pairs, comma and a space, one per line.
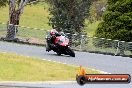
62, 46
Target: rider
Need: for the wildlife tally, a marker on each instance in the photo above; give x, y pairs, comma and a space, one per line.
50, 43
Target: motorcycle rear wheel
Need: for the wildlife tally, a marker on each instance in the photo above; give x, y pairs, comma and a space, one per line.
58, 53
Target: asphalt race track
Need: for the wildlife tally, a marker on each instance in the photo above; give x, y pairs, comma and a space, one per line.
107, 63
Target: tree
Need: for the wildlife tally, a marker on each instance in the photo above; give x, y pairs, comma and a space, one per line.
3, 3
15, 10
14, 17
117, 21
96, 9
69, 15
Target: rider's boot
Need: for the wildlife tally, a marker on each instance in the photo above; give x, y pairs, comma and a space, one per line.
48, 47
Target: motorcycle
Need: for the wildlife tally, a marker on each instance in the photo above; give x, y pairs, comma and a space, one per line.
62, 46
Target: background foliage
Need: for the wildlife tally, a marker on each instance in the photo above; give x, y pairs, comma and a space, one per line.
96, 9
3, 3
117, 21
69, 15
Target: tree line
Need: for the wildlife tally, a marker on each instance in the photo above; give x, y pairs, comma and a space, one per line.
69, 16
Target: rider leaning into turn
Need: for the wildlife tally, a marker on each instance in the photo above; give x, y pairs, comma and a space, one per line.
53, 34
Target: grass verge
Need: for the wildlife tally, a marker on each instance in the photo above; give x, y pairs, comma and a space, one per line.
14, 67
35, 16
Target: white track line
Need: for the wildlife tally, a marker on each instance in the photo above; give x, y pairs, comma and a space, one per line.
35, 82
103, 72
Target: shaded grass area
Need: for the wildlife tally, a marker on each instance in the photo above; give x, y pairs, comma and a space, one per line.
40, 34
31, 33
25, 32
3, 30
14, 67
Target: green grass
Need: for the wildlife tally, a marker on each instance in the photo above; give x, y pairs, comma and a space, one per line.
31, 33
25, 32
14, 67
91, 27
3, 30
35, 16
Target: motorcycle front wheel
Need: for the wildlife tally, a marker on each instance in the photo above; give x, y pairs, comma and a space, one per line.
70, 52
